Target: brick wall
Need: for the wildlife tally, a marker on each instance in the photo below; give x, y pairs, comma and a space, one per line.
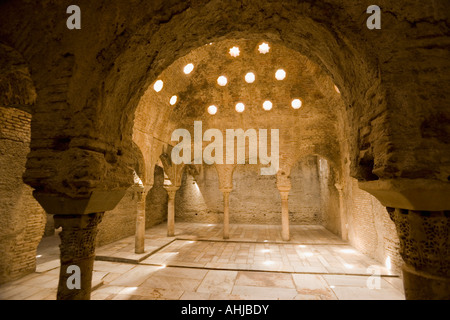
22, 219
370, 229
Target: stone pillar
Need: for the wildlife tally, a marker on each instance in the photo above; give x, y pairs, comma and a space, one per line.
284, 186
77, 248
79, 219
285, 235
171, 191
226, 212
140, 220
342, 213
425, 248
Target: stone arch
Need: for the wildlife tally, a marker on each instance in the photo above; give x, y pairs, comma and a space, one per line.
341, 59
394, 100
325, 62
16, 86
139, 163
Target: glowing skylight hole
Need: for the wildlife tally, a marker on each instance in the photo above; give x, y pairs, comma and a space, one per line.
280, 74
250, 77
212, 110
234, 52
173, 100
296, 103
267, 105
222, 81
240, 107
263, 48
188, 68
158, 85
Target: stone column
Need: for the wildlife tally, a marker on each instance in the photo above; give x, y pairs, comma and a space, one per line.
77, 248
171, 191
425, 248
140, 220
285, 235
226, 212
284, 186
342, 213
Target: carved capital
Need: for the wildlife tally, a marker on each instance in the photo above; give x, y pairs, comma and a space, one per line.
424, 239
78, 235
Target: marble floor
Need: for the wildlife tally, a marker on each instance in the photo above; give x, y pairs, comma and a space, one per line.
197, 264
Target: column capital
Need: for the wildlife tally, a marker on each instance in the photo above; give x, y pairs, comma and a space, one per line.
284, 191
425, 247
171, 191
411, 194
226, 190
171, 188
339, 186
97, 201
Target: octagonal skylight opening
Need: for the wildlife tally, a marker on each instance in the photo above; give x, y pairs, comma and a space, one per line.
173, 100
158, 85
264, 48
240, 107
250, 77
235, 52
212, 110
267, 105
296, 103
280, 74
188, 68
222, 81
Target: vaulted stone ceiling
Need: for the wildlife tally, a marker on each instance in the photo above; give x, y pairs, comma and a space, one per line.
311, 129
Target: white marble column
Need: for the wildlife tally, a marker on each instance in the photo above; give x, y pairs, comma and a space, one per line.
171, 191
342, 213
226, 212
140, 220
285, 234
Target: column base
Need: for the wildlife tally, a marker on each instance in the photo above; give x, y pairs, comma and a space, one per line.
422, 286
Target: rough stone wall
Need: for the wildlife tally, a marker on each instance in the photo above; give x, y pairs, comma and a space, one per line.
255, 199
22, 219
305, 201
156, 202
193, 200
120, 222
329, 197
370, 229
